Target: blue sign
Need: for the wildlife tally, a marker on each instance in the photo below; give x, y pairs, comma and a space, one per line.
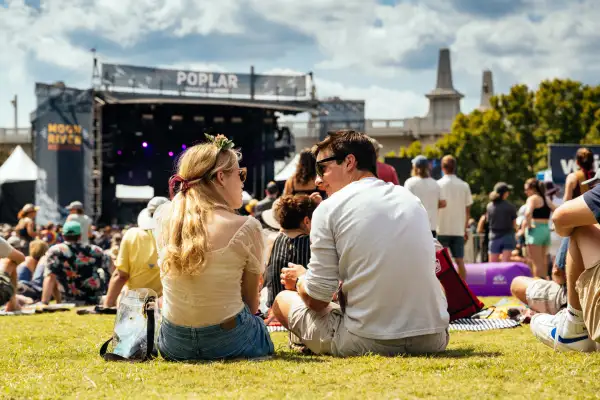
562, 160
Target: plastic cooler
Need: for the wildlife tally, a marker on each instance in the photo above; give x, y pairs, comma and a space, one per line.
494, 279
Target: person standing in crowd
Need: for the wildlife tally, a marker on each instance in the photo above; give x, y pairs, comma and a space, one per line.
37, 249
211, 261
375, 238
385, 172
104, 238
303, 180
452, 227
422, 185
271, 194
292, 245
9, 259
137, 262
81, 269
536, 226
26, 228
577, 327
501, 217
574, 184
76, 213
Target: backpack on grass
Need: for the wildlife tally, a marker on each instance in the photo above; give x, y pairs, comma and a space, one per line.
136, 328
462, 303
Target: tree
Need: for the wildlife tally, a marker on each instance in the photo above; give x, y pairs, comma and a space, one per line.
509, 142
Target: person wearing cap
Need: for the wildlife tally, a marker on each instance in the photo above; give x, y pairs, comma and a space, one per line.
26, 229
81, 269
10, 258
76, 213
501, 217
577, 328
137, 262
422, 185
271, 194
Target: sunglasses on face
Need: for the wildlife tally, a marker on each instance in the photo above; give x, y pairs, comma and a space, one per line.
321, 168
243, 174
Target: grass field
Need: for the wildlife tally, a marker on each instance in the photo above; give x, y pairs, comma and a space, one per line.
56, 356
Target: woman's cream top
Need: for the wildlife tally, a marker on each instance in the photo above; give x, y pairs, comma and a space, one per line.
215, 295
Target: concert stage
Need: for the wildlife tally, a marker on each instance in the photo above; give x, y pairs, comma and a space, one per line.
130, 129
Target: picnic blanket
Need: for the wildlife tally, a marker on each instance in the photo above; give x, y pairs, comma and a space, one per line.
470, 324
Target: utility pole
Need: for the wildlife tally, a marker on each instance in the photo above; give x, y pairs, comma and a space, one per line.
15, 105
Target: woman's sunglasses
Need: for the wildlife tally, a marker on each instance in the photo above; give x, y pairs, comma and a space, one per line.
321, 168
243, 174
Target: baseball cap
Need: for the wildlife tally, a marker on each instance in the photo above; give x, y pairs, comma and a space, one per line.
420, 161
71, 228
146, 216
502, 187
75, 205
593, 180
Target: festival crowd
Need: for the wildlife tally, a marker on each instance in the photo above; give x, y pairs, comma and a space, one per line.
343, 256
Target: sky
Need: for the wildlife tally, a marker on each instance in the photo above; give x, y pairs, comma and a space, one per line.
382, 51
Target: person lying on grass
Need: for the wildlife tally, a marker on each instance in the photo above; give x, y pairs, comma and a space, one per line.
10, 258
375, 237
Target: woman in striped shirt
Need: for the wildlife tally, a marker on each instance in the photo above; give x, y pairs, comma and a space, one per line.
292, 245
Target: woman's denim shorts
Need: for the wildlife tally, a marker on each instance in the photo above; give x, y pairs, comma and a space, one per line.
249, 339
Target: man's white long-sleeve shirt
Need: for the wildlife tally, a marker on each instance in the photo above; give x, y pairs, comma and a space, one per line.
375, 237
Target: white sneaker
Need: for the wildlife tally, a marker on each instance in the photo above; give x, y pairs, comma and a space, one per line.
558, 332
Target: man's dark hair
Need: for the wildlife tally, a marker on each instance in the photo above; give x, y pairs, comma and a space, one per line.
290, 210
449, 164
272, 188
344, 142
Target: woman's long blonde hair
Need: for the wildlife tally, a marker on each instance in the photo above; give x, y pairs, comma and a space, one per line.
184, 227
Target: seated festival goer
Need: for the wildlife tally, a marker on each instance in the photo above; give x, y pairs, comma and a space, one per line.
25, 271
292, 245
542, 295
137, 263
577, 328
211, 261
81, 269
10, 258
375, 237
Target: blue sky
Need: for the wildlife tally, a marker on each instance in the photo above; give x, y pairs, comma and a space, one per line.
383, 51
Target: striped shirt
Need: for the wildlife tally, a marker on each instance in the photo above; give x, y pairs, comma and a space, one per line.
285, 250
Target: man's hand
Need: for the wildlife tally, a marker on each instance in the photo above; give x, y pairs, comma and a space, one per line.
289, 276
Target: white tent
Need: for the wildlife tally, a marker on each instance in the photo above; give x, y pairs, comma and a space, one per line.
289, 170
18, 168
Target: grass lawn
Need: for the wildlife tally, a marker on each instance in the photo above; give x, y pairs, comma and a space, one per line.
56, 356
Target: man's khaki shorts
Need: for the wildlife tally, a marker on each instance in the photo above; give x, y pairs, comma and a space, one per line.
546, 296
588, 288
324, 333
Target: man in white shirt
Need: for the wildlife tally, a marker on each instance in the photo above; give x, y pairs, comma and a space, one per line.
453, 219
375, 238
76, 213
422, 185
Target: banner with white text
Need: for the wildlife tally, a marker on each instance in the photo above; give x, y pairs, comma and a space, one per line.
562, 159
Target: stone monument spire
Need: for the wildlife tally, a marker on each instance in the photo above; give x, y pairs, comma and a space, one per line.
444, 100
487, 90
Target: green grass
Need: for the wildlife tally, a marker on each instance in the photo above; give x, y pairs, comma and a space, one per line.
56, 356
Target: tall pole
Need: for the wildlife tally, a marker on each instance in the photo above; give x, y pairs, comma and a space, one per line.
15, 105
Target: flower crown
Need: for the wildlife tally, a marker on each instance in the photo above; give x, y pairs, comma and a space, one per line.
220, 141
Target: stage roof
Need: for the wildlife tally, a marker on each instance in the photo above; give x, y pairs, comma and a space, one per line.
286, 107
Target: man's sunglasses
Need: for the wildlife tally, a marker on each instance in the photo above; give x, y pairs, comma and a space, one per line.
243, 174
321, 168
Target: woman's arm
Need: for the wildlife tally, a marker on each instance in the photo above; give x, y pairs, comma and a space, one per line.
30, 228
570, 187
250, 290
289, 186
529, 211
481, 224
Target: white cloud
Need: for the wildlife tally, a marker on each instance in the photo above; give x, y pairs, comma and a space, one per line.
358, 36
